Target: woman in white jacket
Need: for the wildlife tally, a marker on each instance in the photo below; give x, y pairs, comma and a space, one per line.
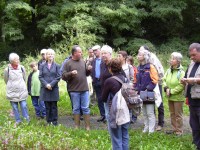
16, 90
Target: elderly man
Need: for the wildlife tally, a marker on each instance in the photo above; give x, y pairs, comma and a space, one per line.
192, 91
75, 73
106, 54
96, 71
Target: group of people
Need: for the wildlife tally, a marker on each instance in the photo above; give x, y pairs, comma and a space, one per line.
148, 76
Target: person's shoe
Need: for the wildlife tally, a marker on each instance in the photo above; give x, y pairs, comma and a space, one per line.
158, 128
170, 132
101, 119
179, 133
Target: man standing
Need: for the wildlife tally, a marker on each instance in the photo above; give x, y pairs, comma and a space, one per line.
75, 73
106, 53
192, 91
96, 80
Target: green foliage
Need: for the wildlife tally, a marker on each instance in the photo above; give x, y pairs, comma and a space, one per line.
15, 13
134, 45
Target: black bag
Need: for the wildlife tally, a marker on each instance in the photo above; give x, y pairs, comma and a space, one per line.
147, 96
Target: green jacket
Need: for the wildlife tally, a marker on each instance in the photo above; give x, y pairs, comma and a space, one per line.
171, 80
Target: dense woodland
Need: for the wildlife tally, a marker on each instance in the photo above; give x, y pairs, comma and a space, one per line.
164, 25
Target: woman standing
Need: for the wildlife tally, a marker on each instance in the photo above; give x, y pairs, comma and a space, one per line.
119, 133
49, 77
16, 91
173, 89
147, 78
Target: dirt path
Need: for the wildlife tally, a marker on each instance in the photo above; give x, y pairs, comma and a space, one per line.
68, 122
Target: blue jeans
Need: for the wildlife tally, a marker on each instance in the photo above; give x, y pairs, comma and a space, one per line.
24, 110
120, 137
39, 106
195, 124
80, 101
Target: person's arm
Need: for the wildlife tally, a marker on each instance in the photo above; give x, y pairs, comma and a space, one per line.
41, 77
58, 76
179, 87
154, 78
67, 75
6, 75
106, 90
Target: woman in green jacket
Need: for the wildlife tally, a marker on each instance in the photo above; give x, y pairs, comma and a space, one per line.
174, 92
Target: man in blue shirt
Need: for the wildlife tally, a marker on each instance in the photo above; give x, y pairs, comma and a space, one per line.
96, 80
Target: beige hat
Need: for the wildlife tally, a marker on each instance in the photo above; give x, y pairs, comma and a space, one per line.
43, 51
96, 47
107, 48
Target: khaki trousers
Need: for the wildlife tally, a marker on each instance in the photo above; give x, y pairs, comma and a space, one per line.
176, 115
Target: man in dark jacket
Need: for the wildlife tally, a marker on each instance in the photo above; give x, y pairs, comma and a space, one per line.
96, 71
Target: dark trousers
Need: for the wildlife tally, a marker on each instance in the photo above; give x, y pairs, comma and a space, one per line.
97, 88
195, 125
161, 110
51, 112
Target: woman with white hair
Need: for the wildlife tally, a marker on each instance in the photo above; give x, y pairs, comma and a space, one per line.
173, 89
16, 90
49, 77
147, 78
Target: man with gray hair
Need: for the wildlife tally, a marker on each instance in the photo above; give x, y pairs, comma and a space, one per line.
106, 54
192, 91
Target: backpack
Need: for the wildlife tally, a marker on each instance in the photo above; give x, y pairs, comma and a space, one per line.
133, 100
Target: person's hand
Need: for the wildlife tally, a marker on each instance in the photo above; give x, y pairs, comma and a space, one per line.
183, 81
48, 86
191, 81
74, 72
89, 67
168, 92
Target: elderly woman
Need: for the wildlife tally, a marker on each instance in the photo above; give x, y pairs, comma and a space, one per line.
119, 134
16, 91
49, 77
173, 89
147, 78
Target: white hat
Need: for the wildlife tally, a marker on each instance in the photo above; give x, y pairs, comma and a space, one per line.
107, 48
43, 51
96, 47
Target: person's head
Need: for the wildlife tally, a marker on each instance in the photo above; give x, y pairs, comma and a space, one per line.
143, 56
43, 53
90, 53
194, 52
144, 47
50, 54
175, 60
115, 65
76, 52
122, 55
14, 59
34, 66
106, 53
97, 51
130, 60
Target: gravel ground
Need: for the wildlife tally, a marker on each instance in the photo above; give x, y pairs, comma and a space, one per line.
68, 122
